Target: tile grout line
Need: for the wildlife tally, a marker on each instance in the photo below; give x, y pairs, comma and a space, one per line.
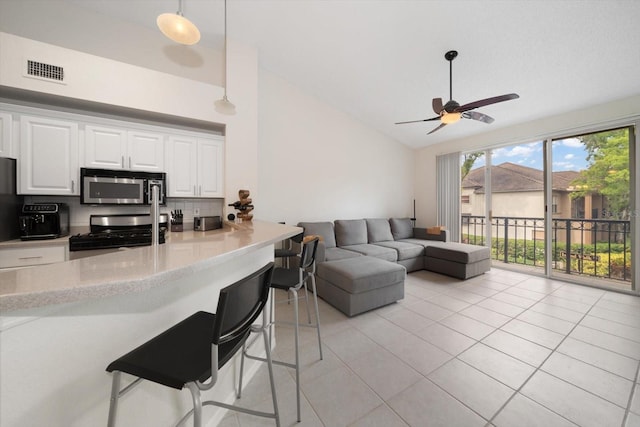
631, 396
538, 368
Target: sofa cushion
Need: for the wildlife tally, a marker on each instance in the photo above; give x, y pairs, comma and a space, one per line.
378, 230
333, 254
350, 232
324, 229
405, 250
361, 274
420, 242
457, 252
375, 251
401, 228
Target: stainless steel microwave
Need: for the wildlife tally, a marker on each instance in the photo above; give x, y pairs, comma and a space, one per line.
120, 187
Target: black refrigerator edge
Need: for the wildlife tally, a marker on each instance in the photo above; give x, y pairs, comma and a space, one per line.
10, 202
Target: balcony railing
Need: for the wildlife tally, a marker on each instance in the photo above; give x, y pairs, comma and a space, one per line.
588, 247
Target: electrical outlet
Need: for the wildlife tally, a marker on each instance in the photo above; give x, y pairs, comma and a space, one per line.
196, 211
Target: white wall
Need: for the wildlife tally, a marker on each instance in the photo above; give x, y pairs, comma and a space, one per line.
317, 163
610, 114
61, 24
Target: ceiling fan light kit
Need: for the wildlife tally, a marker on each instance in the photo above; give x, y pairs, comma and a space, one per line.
451, 112
449, 118
178, 28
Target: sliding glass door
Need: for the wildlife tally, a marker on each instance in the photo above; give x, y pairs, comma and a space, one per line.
561, 207
591, 208
503, 198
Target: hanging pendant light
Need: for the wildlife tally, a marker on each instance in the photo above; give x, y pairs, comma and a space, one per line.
178, 28
224, 106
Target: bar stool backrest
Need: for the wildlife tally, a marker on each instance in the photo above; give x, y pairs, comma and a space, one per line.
240, 304
308, 255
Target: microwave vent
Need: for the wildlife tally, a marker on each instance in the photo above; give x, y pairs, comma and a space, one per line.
45, 71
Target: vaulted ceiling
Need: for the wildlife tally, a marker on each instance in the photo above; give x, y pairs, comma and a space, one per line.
382, 61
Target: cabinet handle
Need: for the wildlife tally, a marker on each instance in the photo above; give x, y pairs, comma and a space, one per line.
30, 257
73, 186
194, 191
122, 161
200, 191
129, 162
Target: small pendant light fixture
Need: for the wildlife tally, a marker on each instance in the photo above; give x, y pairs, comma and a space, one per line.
178, 28
224, 106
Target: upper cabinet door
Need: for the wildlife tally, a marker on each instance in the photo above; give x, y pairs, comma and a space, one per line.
105, 147
210, 168
48, 161
6, 135
181, 172
145, 151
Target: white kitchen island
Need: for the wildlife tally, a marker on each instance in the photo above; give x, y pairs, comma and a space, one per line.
62, 324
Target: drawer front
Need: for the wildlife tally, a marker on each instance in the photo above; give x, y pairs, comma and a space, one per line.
23, 257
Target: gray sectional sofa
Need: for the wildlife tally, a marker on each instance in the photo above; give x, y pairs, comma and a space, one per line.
362, 263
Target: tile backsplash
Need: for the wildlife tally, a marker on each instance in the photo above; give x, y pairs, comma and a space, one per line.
80, 213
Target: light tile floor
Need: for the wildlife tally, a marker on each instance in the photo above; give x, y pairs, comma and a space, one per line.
502, 349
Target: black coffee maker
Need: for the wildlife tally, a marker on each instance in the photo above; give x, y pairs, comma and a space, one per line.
44, 221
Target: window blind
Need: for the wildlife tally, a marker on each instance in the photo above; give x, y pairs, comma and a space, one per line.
448, 193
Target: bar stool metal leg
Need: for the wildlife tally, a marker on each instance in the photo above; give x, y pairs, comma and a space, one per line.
115, 393
315, 300
297, 342
197, 404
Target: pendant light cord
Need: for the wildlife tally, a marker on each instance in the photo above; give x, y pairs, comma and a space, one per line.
225, 49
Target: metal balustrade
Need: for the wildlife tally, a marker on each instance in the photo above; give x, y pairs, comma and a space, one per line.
597, 248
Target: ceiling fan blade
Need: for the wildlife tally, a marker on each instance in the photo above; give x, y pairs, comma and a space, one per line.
438, 128
474, 115
418, 121
488, 101
437, 105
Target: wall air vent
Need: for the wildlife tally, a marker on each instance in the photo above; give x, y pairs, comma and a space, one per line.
44, 71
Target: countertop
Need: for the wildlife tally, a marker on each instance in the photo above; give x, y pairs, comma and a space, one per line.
133, 269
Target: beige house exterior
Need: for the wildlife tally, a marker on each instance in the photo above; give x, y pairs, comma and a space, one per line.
517, 193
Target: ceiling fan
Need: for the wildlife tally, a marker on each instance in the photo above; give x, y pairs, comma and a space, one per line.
451, 112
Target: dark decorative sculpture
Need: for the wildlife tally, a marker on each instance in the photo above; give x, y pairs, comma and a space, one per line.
243, 205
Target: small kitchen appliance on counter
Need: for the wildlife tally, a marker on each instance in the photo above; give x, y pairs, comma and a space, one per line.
116, 231
44, 221
204, 223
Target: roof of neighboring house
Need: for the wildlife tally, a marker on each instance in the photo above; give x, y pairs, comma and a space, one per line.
510, 177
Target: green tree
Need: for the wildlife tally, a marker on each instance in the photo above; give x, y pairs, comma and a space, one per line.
469, 160
608, 170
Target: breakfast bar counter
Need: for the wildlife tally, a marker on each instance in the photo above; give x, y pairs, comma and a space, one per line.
62, 324
134, 269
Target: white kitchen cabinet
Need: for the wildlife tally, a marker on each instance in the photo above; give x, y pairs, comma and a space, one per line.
6, 135
182, 174
37, 255
210, 167
145, 151
195, 166
48, 161
118, 148
104, 147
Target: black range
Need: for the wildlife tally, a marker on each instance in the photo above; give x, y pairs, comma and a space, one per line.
115, 231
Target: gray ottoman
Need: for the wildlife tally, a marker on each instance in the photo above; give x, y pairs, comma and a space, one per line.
459, 260
360, 284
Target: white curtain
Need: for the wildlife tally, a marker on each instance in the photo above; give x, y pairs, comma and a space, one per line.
448, 193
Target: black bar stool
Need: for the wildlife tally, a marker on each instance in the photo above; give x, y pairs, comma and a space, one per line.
288, 249
292, 280
194, 350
